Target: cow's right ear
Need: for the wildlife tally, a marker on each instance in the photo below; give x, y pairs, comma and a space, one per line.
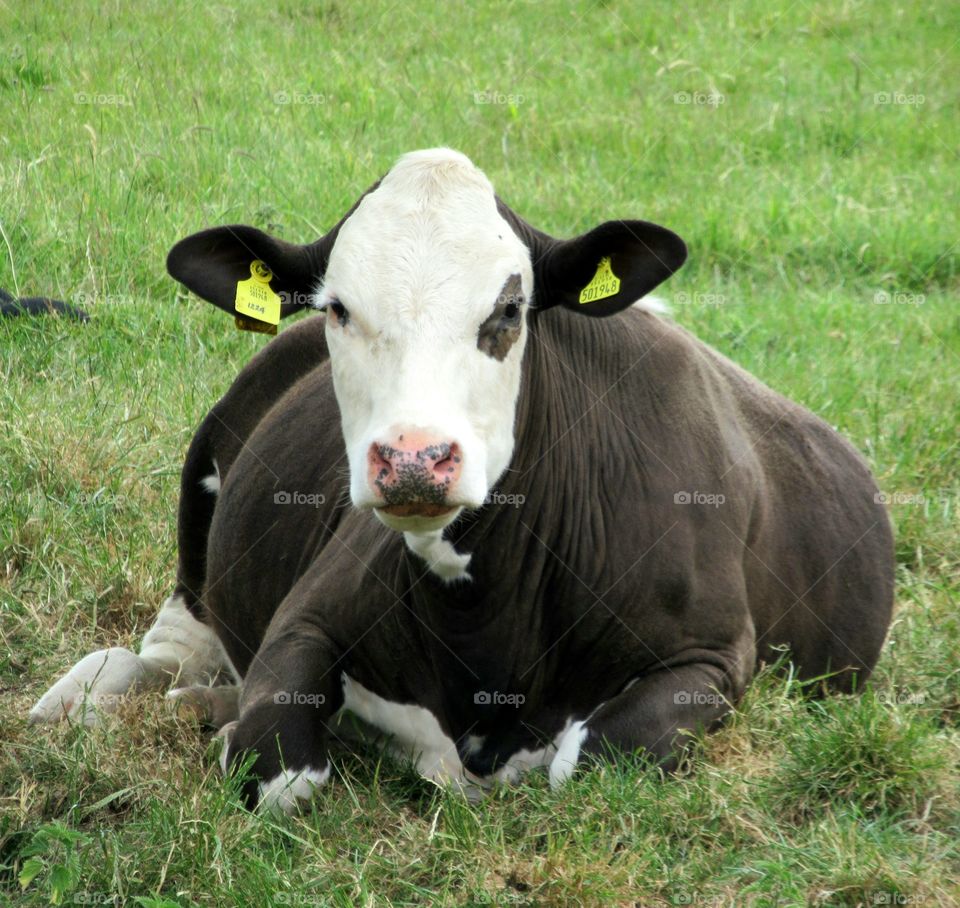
213, 262
609, 268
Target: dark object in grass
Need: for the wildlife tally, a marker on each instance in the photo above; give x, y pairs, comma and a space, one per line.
38, 305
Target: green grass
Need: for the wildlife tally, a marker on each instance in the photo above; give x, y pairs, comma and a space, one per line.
802, 196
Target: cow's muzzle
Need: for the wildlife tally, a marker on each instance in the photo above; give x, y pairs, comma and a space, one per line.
414, 475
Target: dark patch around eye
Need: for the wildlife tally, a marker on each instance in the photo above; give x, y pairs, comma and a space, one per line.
500, 330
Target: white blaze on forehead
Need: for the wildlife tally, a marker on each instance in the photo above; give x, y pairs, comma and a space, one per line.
429, 241
419, 267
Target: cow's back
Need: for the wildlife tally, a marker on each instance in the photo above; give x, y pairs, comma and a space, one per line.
815, 547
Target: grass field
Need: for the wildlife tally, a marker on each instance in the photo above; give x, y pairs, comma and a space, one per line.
806, 151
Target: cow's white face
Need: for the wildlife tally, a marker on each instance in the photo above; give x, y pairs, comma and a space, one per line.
426, 288
426, 293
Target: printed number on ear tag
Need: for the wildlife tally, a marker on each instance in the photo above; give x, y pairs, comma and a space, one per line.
255, 299
603, 284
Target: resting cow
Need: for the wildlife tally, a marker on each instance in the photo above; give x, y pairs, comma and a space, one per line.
571, 528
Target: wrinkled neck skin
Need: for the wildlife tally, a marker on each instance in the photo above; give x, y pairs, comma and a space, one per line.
489, 538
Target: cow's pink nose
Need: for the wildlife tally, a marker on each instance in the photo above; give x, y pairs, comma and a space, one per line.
414, 468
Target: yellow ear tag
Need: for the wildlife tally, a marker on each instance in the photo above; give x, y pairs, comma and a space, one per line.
603, 284
254, 297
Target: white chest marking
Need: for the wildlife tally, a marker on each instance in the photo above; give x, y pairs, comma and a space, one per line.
441, 557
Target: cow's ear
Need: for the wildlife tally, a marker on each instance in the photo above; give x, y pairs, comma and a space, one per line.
213, 262
607, 269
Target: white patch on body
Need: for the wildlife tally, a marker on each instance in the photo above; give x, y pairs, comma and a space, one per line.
415, 731
212, 482
654, 304
176, 648
419, 267
290, 789
418, 735
441, 557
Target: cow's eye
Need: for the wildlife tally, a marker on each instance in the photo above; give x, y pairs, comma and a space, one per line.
511, 312
339, 311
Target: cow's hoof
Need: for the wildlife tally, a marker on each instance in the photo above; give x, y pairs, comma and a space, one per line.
288, 791
225, 734
210, 706
96, 684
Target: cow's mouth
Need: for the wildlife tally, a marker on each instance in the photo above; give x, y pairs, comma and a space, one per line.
417, 509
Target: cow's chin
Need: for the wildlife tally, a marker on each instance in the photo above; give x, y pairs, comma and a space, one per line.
417, 518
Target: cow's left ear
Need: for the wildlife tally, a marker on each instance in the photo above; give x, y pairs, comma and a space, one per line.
213, 262
607, 269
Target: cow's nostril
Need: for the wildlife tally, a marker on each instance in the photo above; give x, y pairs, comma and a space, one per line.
379, 457
449, 461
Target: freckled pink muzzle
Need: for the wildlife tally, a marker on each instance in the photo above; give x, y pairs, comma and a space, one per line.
414, 474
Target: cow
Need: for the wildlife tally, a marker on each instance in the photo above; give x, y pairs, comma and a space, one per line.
490, 506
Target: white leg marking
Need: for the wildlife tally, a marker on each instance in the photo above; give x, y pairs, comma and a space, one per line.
97, 682
568, 752
441, 557
177, 646
211, 483
287, 791
186, 649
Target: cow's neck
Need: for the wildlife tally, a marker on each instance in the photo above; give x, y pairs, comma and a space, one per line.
537, 506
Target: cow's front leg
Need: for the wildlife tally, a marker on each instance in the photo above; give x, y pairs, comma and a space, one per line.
650, 715
290, 693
